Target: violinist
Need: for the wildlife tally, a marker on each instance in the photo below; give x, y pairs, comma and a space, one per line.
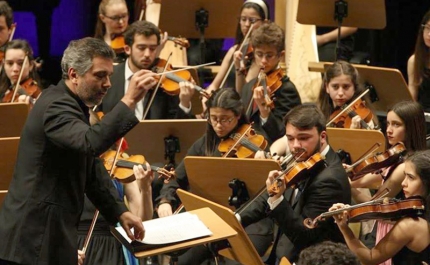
225, 118
341, 85
406, 124
408, 242
6, 21
29, 88
279, 91
112, 21
306, 134
143, 42
253, 12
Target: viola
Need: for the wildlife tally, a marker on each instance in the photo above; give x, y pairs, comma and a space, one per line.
358, 108
384, 209
170, 81
376, 162
28, 87
243, 143
123, 168
296, 173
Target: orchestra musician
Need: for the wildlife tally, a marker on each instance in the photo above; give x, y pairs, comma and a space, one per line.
225, 117
112, 21
6, 21
268, 49
15, 53
408, 242
306, 133
405, 124
143, 43
341, 85
418, 65
254, 12
57, 160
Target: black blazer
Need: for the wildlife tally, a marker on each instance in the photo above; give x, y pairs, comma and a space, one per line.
286, 98
57, 163
164, 106
330, 186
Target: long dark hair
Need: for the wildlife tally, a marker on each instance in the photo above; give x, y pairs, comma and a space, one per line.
228, 99
261, 13
422, 53
5, 83
412, 115
421, 161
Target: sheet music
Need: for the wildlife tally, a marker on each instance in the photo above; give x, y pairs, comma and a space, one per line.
171, 229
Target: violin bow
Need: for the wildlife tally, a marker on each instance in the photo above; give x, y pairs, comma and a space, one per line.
156, 88
185, 68
19, 78
347, 107
96, 213
309, 223
232, 62
364, 156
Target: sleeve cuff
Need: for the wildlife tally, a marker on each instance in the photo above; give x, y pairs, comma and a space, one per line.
274, 203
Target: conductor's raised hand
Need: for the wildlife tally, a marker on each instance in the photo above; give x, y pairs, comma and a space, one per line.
140, 83
129, 221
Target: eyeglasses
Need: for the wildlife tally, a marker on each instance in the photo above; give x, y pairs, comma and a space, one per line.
214, 121
252, 20
118, 18
268, 56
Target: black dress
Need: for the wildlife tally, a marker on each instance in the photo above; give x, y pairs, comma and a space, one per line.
407, 257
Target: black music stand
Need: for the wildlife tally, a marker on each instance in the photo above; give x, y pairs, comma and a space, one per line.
369, 14
200, 19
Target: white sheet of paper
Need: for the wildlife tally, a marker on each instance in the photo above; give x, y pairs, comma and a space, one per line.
171, 229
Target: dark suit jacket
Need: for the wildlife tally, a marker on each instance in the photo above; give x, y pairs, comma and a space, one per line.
57, 163
164, 106
320, 192
286, 98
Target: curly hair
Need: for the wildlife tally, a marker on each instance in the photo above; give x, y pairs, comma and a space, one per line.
327, 253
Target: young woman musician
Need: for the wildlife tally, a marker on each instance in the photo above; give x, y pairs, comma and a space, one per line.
408, 242
341, 86
112, 21
29, 88
225, 117
253, 12
405, 124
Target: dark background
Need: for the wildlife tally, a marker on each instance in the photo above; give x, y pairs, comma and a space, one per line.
73, 19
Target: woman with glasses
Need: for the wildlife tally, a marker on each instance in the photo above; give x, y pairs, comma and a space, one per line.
225, 116
419, 66
253, 12
267, 105
112, 21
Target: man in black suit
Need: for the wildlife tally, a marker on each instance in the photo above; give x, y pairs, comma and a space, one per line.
58, 160
305, 130
142, 41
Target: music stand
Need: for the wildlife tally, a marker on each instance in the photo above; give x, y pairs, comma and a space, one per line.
14, 117
369, 14
346, 139
219, 228
147, 137
218, 172
8, 153
241, 248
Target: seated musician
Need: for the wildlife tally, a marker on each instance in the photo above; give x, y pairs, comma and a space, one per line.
29, 88
225, 118
405, 124
143, 42
341, 86
112, 21
306, 133
408, 242
6, 21
269, 47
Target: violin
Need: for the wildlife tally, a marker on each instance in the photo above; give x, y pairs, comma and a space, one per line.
123, 168
270, 83
170, 81
296, 173
28, 87
384, 209
244, 142
376, 162
358, 108
118, 43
